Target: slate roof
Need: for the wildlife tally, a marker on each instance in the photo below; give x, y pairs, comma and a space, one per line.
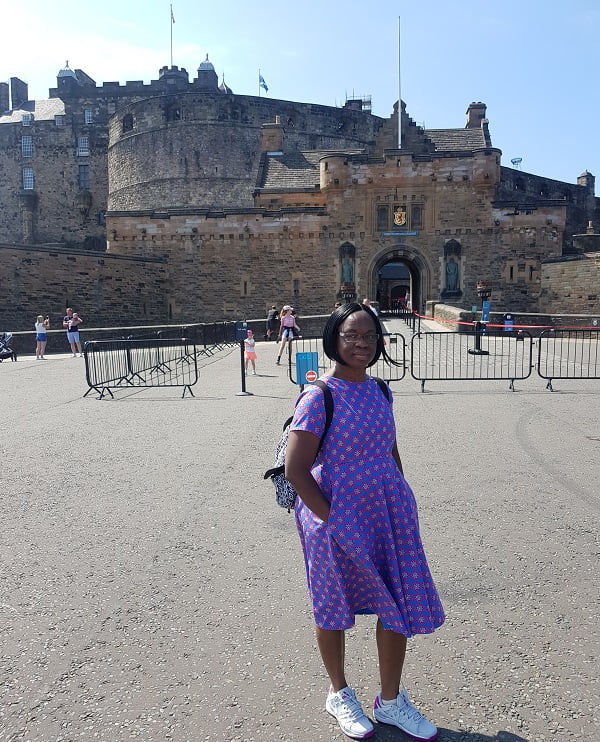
42, 110
457, 140
293, 170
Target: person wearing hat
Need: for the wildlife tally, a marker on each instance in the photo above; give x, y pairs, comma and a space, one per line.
286, 329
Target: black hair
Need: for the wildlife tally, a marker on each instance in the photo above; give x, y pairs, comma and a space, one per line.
331, 333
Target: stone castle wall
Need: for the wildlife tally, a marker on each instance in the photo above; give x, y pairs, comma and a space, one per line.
105, 289
572, 283
209, 155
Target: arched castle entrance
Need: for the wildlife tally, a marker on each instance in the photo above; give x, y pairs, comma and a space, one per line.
400, 274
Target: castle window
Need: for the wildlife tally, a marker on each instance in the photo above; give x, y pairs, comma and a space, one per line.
28, 179
27, 146
59, 120
416, 216
84, 177
88, 116
127, 123
173, 112
26, 119
83, 146
382, 218
519, 184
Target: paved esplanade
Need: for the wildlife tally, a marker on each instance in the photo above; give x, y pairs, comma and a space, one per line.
152, 590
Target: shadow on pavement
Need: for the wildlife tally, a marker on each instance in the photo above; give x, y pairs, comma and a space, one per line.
391, 734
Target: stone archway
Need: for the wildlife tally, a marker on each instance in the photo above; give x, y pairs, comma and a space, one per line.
397, 273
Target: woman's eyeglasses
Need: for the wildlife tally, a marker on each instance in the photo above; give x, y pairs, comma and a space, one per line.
352, 337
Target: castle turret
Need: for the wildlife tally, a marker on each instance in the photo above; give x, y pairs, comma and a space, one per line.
207, 77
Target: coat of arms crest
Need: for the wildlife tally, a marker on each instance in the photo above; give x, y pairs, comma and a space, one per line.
400, 217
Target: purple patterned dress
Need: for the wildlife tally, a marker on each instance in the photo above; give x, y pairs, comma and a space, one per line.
368, 558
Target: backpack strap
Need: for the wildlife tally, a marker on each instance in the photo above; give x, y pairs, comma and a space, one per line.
383, 386
328, 400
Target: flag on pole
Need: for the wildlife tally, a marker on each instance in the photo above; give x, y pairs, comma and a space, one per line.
172, 16
262, 83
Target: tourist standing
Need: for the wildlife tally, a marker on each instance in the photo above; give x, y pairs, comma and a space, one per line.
41, 338
358, 524
72, 321
286, 330
250, 351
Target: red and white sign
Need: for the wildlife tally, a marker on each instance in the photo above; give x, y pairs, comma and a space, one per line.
311, 376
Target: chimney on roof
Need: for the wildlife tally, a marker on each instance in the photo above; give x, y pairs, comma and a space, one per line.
272, 136
4, 98
19, 93
475, 115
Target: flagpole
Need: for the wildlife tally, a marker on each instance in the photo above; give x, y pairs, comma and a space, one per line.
399, 91
259, 82
171, 24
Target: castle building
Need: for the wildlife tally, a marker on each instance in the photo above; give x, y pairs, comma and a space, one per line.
182, 201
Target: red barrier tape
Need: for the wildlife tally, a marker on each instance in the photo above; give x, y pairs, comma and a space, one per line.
505, 327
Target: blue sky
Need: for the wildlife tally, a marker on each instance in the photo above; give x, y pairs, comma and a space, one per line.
535, 64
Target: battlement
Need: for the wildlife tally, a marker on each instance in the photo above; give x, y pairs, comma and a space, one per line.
171, 79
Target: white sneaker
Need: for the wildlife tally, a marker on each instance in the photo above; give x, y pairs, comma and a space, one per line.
346, 708
80, 355
73, 355
405, 716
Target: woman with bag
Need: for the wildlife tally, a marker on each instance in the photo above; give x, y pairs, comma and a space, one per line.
358, 525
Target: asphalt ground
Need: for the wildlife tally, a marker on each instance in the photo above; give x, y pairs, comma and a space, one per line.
151, 589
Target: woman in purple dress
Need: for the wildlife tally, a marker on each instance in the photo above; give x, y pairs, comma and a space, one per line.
358, 524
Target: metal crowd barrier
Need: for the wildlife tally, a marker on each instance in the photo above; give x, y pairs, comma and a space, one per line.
395, 348
452, 356
120, 364
568, 354
412, 319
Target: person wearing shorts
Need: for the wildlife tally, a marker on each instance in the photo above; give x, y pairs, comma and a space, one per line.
71, 322
286, 329
41, 325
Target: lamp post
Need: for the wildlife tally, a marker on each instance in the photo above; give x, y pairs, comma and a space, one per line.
484, 291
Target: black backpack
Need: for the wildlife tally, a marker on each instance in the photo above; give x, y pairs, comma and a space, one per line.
285, 494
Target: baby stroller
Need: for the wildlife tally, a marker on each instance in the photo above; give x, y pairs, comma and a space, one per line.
5, 350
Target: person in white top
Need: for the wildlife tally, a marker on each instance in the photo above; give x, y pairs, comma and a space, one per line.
250, 351
41, 325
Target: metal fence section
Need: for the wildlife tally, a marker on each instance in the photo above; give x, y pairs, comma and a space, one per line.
451, 356
569, 354
401, 311
395, 346
120, 364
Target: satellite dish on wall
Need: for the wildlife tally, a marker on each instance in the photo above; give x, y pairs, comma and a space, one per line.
516, 162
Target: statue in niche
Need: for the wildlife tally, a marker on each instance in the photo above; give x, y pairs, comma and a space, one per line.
347, 265
451, 275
